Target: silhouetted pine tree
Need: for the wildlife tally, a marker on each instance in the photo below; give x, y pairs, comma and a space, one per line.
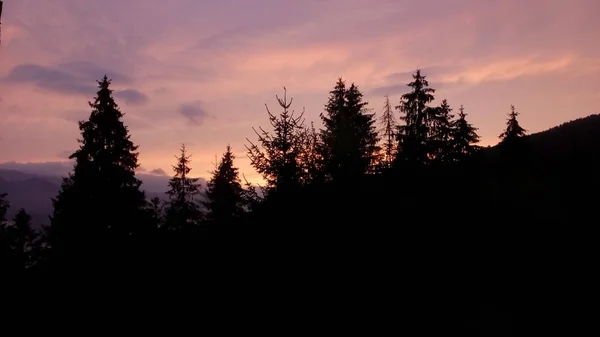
224, 192
414, 137
464, 137
277, 155
182, 211
100, 203
513, 130
389, 127
349, 139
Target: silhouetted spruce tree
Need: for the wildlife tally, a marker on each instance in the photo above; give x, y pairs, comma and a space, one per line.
4, 243
310, 158
513, 130
182, 210
389, 127
277, 155
349, 140
156, 211
23, 242
252, 195
100, 204
4, 207
441, 133
513, 146
464, 137
224, 192
414, 137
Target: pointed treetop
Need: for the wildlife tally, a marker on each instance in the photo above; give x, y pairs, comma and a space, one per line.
461, 112
420, 81
513, 128
105, 82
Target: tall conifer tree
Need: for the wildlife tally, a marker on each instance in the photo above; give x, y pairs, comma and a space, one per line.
513, 129
389, 126
224, 191
442, 133
278, 152
465, 137
4, 242
349, 139
183, 211
100, 204
4, 206
415, 141
310, 158
23, 242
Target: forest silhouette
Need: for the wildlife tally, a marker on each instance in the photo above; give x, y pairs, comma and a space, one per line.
404, 198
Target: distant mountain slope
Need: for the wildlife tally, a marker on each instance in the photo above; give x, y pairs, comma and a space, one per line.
34, 192
13, 175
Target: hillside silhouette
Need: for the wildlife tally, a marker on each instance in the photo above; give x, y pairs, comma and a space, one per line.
404, 204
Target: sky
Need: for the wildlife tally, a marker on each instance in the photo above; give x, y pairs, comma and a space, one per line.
199, 72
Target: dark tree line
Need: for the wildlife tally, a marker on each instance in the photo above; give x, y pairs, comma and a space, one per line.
101, 214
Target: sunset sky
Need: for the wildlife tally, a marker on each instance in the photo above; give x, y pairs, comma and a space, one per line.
199, 72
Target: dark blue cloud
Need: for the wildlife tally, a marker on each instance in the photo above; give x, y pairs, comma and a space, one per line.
397, 82
132, 96
90, 70
68, 78
51, 79
194, 112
